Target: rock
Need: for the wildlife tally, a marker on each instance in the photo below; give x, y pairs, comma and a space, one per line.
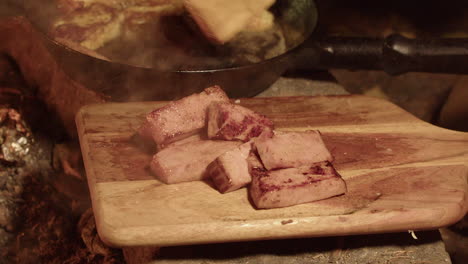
5, 216
421, 94
4, 238
455, 110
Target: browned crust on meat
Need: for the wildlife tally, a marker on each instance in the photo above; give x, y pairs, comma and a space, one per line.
267, 194
252, 125
218, 175
159, 118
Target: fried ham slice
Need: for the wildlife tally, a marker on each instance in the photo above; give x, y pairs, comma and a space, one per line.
188, 162
229, 121
230, 171
94, 23
287, 187
182, 118
66, 6
292, 149
91, 27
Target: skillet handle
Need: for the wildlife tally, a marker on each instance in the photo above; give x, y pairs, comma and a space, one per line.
395, 54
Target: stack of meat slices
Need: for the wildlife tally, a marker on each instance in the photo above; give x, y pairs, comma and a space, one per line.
204, 136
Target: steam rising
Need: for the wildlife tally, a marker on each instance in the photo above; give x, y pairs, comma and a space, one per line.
158, 34
160, 40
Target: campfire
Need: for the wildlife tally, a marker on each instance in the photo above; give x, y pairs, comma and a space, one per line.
45, 214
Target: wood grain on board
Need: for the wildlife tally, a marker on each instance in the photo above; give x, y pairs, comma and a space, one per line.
402, 174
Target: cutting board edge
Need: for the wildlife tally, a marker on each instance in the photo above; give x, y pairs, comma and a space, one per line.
90, 177
145, 236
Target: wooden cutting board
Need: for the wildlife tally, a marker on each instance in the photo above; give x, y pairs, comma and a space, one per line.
402, 174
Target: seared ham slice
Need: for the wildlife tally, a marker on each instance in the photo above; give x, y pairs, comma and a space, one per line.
182, 118
292, 149
287, 187
188, 162
234, 122
230, 171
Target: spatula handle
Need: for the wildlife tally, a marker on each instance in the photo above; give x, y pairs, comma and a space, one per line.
395, 54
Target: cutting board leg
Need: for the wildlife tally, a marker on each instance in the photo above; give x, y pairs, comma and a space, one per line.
140, 255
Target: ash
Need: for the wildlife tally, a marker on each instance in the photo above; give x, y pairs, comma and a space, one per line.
15, 145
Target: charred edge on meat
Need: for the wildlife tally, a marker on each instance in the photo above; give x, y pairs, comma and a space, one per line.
217, 174
232, 129
264, 187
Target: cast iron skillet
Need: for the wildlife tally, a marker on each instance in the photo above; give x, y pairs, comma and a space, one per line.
393, 55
